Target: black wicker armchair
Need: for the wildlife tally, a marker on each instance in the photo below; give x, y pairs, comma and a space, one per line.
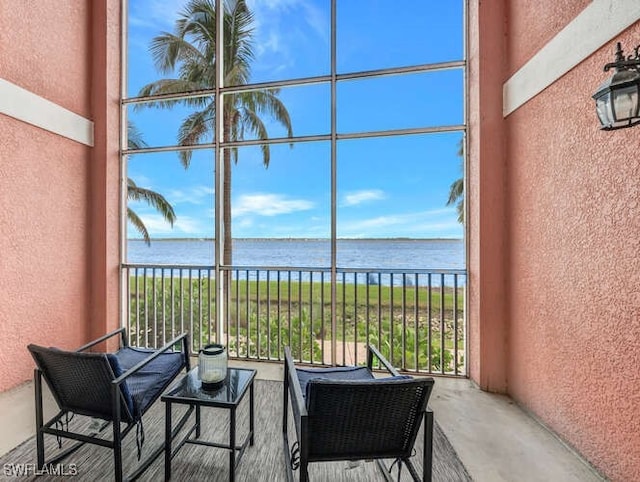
114, 387
345, 413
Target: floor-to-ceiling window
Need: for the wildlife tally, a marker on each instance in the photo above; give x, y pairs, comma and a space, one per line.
307, 190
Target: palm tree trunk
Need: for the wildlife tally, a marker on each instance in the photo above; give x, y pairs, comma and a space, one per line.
227, 254
227, 249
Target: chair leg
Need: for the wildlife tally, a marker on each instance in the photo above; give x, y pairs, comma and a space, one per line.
427, 456
285, 435
287, 458
37, 379
303, 443
285, 397
117, 453
384, 470
304, 474
117, 435
413, 471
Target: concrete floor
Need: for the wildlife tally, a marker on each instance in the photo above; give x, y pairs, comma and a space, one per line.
494, 438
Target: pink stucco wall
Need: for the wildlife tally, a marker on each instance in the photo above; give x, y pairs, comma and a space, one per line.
485, 193
43, 220
530, 25
104, 183
45, 48
574, 273
56, 287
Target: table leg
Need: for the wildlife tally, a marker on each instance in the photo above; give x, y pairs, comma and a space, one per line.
251, 420
167, 441
232, 445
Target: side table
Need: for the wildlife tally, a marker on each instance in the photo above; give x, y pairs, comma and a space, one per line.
188, 391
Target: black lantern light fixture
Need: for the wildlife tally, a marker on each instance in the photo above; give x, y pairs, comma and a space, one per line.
617, 99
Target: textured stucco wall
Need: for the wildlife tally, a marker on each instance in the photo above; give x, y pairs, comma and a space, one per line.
104, 184
45, 47
43, 221
531, 25
573, 196
486, 226
56, 286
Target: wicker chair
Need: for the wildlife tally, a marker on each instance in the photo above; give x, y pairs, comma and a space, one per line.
344, 413
114, 387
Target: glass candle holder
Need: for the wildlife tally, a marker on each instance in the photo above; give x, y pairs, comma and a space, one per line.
212, 366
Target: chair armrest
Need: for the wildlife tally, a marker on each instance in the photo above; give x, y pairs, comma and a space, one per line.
120, 331
136, 368
291, 379
385, 363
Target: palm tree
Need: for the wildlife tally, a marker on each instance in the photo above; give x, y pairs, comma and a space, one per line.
191, 51
137, 193
456, 190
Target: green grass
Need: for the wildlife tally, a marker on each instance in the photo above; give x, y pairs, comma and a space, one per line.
305, 291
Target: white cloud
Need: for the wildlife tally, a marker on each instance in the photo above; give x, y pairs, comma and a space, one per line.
429, 224
359, 197
271, 27
192, 195
265, 204
141, 180
186, 225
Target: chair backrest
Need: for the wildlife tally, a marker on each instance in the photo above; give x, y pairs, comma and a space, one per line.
80, 382
365, 419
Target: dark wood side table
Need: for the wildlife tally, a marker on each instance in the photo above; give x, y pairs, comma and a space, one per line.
188, 391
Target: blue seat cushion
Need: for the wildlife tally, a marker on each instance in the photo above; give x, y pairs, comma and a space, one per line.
305, 375
145, 385
117, 371
308, 375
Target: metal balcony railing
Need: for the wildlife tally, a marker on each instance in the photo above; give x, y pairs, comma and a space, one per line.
415, 317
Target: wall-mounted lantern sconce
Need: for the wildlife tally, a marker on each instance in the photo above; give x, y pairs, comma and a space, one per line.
617, 99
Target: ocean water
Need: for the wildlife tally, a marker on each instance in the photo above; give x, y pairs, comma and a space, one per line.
316, 253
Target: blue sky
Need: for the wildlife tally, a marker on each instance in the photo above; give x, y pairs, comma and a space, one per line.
387, 187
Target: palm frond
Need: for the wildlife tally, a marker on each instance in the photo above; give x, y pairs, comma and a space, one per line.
192, 130
134, 137
171, 86
254, 123
137, 223
456, 191
154, 199
238, 52
266, 101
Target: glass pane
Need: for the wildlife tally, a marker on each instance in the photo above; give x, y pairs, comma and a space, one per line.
188, 122
288, 40
284, 40
189, 192
625, 102
402, 101
278, 211
603, 109
397, 188
375, 34
306, 108
149, 20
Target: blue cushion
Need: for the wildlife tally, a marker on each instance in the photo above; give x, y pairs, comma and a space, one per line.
117, 371
146, 384
305, 375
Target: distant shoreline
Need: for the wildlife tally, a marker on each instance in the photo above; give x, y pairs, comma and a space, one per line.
299, 239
